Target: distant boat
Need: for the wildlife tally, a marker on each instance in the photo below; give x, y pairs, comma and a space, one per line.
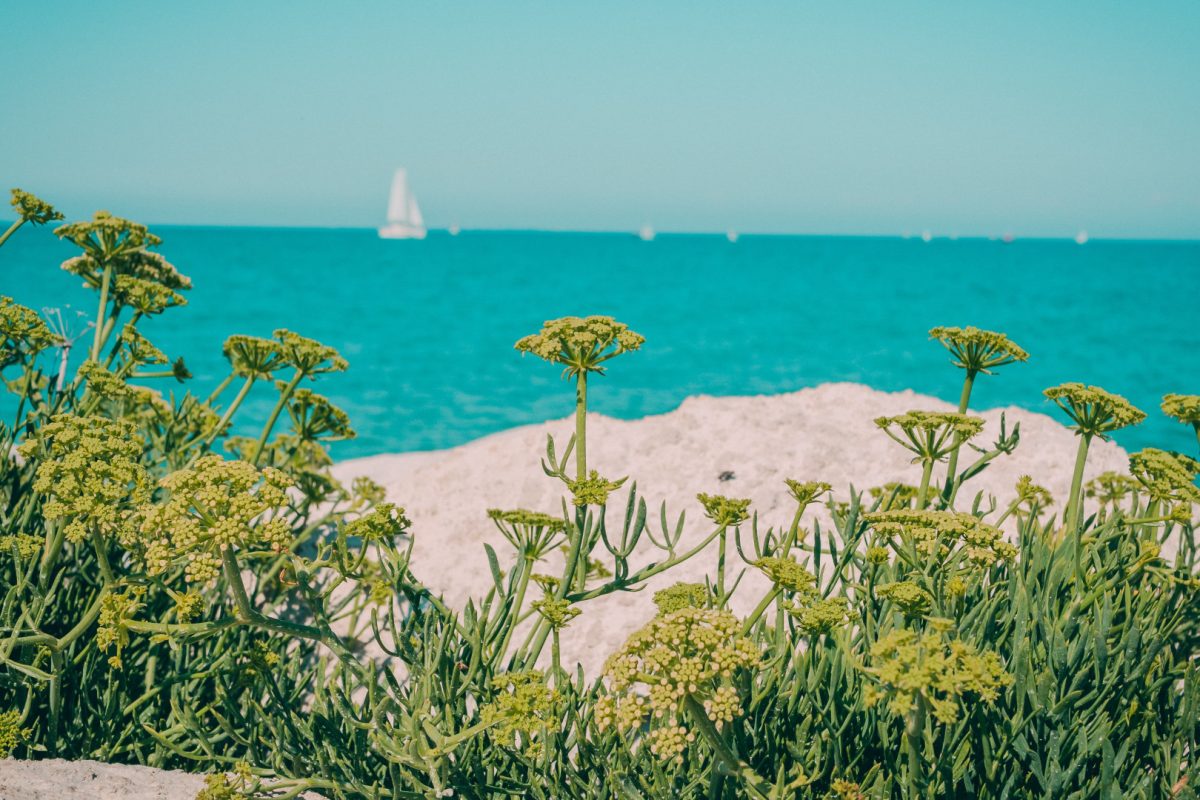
926, 236
453, 229
732, 236
403, 214
1008, 238
646, 234
1081, 237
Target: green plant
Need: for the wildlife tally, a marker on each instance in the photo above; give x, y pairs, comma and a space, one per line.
175, 595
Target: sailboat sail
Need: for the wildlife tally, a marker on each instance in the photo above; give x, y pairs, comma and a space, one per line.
403, 214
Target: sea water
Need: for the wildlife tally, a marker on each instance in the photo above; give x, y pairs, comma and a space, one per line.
428, 326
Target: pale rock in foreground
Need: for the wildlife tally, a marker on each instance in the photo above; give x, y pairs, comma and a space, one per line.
825, 433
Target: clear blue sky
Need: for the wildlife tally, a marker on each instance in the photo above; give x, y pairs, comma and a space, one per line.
813, 117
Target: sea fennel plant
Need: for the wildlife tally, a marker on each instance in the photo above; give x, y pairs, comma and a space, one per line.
177, 595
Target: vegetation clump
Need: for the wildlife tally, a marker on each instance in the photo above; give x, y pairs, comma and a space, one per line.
175, 595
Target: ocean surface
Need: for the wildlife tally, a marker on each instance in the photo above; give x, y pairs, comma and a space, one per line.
429, 326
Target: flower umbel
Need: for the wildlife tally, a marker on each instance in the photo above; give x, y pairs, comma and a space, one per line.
581, 344
33, 210
724, 511
978, 350
1094, 411
913, 667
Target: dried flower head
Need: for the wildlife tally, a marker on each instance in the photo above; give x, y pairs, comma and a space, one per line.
681, 595
978, 350
1167, 476
930, 435
581, 344
724, 511
1183, 407
91, 473
1094, 411
253, 355
912, 666
691, 652
22, 333
308, 356
212, 505
33, 210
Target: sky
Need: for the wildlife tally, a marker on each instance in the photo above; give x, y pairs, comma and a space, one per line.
854, 117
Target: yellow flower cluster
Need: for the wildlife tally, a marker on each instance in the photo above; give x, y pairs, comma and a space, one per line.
384, 522
1110, 487
689, 652
592, 490
33, 210
724, 511
90, 470
820, 616
12, 735
787, 573
807, 491
1094, 411
116, 607
894, 495
906, 596
521, 709
681, 595
929, 667
1183, 407
581, 344
22, 332
1167, 476
558, 613
102, 382
140, 349
931, 434
1032, 493
212, 505
314, 416
978, 350
145, 296
937, 533
253, 356
308, 356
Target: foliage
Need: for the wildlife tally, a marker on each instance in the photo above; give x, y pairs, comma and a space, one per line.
174, 595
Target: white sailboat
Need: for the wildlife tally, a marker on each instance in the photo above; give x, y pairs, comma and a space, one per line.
732, 236
646, 234
1081, 237
403, 214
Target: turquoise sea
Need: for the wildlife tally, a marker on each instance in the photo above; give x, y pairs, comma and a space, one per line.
428, 326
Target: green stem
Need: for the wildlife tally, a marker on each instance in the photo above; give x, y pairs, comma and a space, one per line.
1074, 500
923, 492
963, 400
56, 665
11, 230
721, 567
581, 426
98, 341
222, 386
284, 396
